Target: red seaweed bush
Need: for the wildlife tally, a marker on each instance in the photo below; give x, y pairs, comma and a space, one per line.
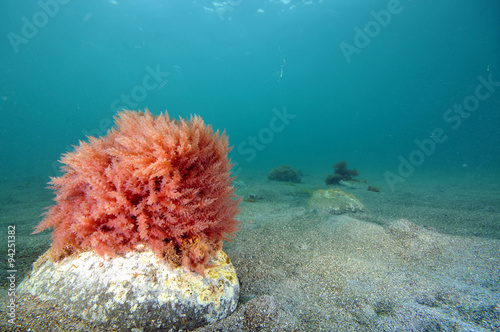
150, 181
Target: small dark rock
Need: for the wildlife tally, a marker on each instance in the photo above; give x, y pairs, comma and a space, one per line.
284, 173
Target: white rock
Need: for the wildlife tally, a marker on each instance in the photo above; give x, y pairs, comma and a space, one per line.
137, 291
334, 201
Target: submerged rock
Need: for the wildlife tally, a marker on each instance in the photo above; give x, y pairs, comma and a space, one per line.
334, 201
285, 173
136, 292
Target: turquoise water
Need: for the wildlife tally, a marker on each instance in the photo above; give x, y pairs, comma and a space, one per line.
407, 92
304, 83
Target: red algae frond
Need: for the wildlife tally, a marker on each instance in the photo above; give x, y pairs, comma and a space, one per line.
152, 181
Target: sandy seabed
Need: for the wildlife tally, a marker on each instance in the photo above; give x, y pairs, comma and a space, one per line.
425, 257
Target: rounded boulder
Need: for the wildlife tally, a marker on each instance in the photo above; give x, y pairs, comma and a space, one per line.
137, 291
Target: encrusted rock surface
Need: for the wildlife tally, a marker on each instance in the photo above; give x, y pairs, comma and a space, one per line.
136, 292
334, 201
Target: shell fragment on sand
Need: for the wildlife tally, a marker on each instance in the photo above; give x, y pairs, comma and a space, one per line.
137, 291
